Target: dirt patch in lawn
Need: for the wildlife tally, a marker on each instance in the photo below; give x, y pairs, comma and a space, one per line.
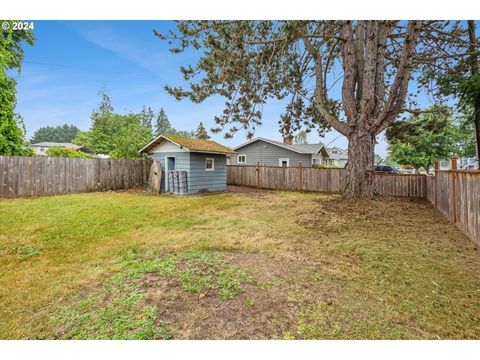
267, 306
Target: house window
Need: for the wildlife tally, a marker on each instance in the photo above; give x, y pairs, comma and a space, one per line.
242, 159
209, 164
284, 162
42, 149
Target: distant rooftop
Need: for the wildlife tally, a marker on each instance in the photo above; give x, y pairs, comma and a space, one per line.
50, 144
299, 148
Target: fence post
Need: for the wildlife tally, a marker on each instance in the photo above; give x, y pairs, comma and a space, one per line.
257, 170
454, 175
299, 177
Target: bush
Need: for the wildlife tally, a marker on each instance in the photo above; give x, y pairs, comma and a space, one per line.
319, 166
57, 151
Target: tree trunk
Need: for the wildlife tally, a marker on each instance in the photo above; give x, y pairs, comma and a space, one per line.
360, 174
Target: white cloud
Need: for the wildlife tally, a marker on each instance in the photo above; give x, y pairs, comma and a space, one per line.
105, 37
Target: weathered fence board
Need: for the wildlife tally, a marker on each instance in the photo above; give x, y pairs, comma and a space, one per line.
321, 180
456, 194
29, 176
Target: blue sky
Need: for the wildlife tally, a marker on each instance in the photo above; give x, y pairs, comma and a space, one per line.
71, 60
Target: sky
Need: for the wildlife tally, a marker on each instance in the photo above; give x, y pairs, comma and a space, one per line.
72, 60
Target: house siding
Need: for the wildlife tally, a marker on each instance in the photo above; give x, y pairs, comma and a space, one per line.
269, 154
201, 180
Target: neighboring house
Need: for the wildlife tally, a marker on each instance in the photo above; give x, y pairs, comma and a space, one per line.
463, 163
339, 157
81, 148
41, 148
204, 161
275, 153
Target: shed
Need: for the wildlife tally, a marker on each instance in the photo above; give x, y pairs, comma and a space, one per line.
204, 161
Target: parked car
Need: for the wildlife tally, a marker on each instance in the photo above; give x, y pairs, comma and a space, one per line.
386, 169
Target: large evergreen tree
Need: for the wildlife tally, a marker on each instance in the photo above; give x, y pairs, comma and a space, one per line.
147, 116
12, 129
201, 132
162, 124
300, 63
61, 133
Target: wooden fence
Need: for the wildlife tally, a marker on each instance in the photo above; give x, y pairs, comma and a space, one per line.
41, 175
456, 194
322, 180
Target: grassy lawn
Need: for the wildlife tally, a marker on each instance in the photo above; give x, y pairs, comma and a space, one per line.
234, 265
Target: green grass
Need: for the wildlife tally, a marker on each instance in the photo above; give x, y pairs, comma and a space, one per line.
274, 265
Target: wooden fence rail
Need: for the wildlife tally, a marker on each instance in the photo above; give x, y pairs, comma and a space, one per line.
41, 175
322, 180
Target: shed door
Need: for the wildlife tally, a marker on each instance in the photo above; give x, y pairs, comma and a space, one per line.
171, 163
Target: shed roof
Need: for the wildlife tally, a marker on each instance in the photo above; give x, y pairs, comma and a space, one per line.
189, 144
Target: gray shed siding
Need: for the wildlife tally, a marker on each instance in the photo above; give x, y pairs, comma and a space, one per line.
207, 181
269, 154
182, 162
198, 179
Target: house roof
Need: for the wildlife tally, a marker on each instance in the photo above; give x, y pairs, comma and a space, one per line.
341, 154
298, 148
189, 144
49, 144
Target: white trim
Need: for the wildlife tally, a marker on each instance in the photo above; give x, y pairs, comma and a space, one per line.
161, 137
280, 160
213, 164
241, 162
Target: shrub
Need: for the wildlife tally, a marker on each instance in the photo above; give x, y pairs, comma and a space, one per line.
57, 151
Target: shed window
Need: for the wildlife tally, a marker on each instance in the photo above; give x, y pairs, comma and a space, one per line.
209, 164
242, 159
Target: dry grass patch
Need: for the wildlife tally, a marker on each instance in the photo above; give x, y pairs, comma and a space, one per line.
251, 265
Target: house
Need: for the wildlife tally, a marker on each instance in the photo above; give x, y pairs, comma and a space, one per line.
339, 156
41, 148
204, 162
463, 163
276, 153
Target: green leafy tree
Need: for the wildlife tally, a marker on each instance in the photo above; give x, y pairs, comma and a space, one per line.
463, 83
465, 136
62, 134
422, 139
104, 126
162, 124
201, 132
131, 136
301, 137
58, 151
12, 128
